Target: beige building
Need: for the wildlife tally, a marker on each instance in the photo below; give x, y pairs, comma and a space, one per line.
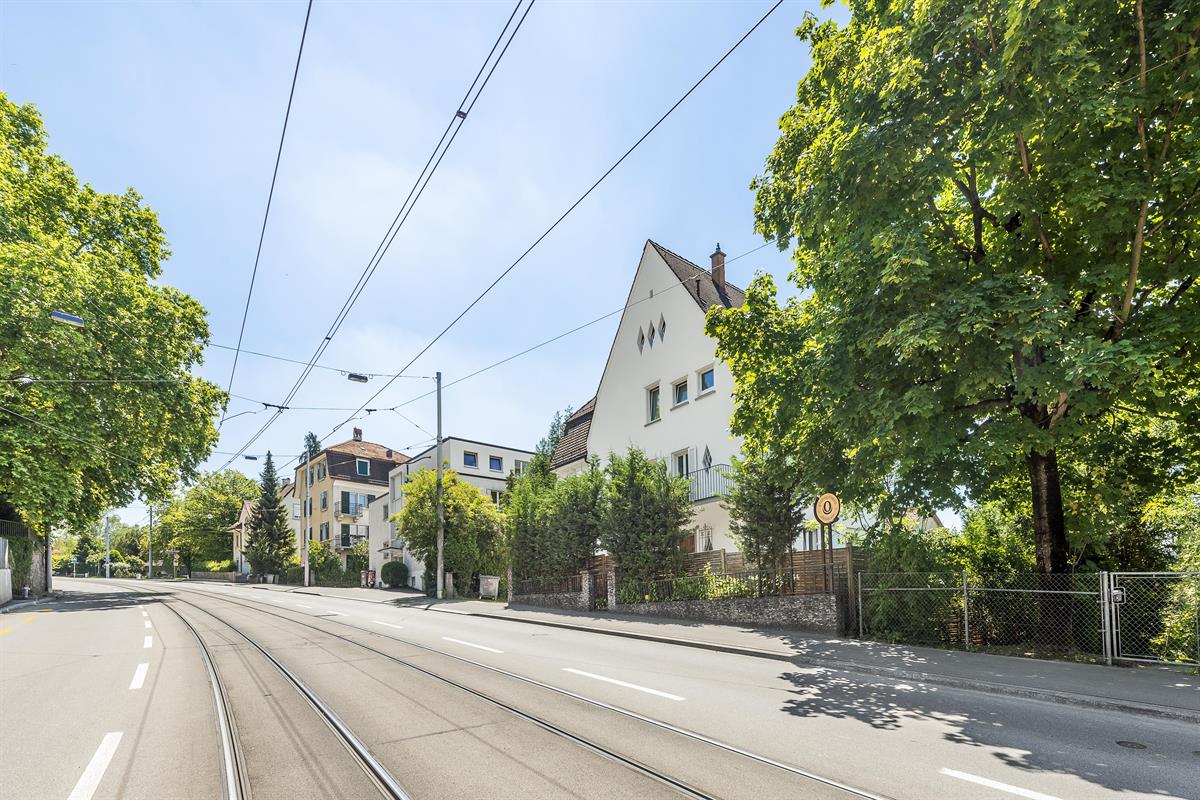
336, 486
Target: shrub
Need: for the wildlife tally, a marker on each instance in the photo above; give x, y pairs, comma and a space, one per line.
294, 574
394, 573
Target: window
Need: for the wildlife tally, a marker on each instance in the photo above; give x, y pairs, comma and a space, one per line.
679, 392
662, 327
496, 497
520, 466
324, 500
324, 531
321, 471
653, 410
495, 463
353, 503
362, 466
707, 458
295, 511
652, 332
471, 460
310, 476
707, 379
641, 340
681, 462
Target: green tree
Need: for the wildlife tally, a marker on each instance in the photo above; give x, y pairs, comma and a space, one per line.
143, 421
89, 552
528, 516
645, 513
312, 445
766, 506
271, 544
323, 562
196, 522
359, 558
474, 540
996, 242
548, 442
577, 514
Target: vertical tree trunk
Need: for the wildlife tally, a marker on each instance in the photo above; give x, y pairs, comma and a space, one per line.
1049, 527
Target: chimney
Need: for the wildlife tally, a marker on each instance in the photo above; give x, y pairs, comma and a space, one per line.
718, 268
358, 434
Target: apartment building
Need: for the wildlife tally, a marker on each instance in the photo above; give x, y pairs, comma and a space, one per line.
485, 466
336, 486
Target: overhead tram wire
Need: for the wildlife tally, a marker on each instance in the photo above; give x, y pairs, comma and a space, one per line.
267, 212
565, 214
418, 188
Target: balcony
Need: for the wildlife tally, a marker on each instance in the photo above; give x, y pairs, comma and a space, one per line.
352, 511
344, 541
705, 484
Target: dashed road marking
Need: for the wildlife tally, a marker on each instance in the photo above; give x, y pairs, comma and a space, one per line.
148, 625
388, 624
91, 776
472, 644
997, 785
148, 642
626, 684
139, 676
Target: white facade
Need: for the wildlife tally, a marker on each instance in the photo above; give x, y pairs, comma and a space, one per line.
482, 465
691, 435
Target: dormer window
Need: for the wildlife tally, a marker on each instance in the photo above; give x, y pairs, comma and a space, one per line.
362, 466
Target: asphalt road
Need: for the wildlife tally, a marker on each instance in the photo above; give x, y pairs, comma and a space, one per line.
457, 706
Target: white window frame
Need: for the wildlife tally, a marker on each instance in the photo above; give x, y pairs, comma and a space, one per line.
358, 471
472, 454
675, 401
687, 462
700, 390
499, 459
653, 391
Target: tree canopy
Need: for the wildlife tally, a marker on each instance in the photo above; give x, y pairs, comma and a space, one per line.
271, 543
91, 417
196, 522
993, 208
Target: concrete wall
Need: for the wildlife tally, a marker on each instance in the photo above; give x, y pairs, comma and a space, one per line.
5, 586
816, 613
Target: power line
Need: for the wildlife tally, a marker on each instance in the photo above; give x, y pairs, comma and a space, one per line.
341, 370
418, 188
61, 432
270, 196
570, 208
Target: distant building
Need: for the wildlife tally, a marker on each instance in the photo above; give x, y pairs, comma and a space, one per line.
335, 488
240, 529
485, 466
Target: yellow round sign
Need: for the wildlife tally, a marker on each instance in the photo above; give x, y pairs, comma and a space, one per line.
827, 508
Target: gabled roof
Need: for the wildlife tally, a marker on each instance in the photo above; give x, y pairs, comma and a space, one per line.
361, 449
699, 281
572, 445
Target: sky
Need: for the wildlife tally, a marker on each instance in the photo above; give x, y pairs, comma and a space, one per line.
184, 103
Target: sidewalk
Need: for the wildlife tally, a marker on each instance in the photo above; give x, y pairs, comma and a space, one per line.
1157, 691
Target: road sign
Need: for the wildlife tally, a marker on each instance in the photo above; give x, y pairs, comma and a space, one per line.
827, 508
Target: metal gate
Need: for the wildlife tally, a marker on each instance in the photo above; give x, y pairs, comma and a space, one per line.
1153, 616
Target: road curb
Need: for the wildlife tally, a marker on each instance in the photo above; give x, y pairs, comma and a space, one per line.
16, 605
1025, 692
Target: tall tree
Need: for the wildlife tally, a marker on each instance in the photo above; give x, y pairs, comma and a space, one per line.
312, 445
92, 417
994, 210
271, 543
766, 506
558, 424
196, 522
644, 515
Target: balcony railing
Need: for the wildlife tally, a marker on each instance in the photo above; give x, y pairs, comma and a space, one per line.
346, 540
352, 510
714, 481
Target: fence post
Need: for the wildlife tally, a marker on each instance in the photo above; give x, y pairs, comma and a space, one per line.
966, 614
1105, 618
858, 582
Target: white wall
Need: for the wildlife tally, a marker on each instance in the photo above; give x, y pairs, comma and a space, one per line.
621, 420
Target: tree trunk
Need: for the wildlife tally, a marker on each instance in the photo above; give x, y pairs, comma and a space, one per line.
1049, 527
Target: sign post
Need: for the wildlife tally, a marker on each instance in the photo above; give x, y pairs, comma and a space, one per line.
826, 511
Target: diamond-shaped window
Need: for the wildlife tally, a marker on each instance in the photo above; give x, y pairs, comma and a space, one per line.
707, 458
662, 327
641, 340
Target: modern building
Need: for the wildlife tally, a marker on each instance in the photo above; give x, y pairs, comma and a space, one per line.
664, 391
335, 487
485, 466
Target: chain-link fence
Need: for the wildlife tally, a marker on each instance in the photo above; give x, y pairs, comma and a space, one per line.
1156, 616
1048, 616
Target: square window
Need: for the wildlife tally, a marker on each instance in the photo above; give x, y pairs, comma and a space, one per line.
707, 379
680, 392
362, 466
495, 463
652, 402
520, 466
471, 460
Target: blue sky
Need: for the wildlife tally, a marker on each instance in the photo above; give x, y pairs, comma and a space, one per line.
184, 102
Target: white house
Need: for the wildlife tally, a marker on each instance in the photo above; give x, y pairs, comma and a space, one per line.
663, 390
485, 466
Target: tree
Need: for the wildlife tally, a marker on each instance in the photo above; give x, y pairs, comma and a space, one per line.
196, 522
359, 558
577, 515
548, 442
993, 205
270, 546
89, 551
766, 507
312, 446
474, 541
323, 562
142, 422
644, 514
528, 518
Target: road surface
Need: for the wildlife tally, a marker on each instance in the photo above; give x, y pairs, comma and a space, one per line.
138, 689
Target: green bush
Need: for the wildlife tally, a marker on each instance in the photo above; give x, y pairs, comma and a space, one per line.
394, 573
20, 557
294, 574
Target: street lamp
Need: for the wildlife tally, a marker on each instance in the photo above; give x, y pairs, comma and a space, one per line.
69, 319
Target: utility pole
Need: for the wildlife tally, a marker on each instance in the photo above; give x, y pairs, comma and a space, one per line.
107, 551
441, 508
304, 516
150, 547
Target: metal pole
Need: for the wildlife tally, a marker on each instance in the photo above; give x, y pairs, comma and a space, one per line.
304, 518
49, 562
966, 615
107, 550
441, 510
860, 619
150, 547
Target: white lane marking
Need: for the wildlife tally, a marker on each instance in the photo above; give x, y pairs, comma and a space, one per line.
1003, 787
91, 776
148, 625
139, 676
388, 624
335, 613
470, 644
301, 605
645, 689
148, 642
145, 614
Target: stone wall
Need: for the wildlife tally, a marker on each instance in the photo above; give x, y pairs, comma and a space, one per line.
215, 576
818, 613
574, 601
